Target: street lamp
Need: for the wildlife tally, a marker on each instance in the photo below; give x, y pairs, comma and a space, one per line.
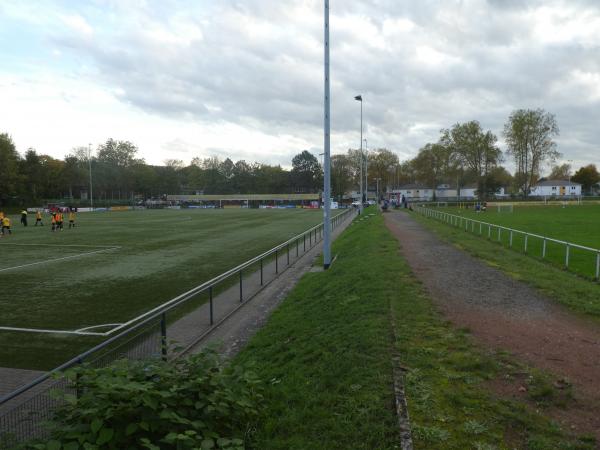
378, 180
360, 99
570, 161
326, 149
90, 167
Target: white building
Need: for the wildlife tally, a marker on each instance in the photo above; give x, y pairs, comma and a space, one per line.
501, 193
468, 192
444, 191
556, 188
413, 192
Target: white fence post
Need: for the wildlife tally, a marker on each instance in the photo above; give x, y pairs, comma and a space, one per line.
544, 249
457, 221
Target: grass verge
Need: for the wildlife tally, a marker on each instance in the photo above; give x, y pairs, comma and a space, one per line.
583, 295
326, 353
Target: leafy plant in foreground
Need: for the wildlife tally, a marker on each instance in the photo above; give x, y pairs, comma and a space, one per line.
192, 403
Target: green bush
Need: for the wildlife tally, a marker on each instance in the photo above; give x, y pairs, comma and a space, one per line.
192, 403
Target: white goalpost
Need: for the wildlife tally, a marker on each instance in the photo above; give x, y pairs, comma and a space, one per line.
506, 207
442, 204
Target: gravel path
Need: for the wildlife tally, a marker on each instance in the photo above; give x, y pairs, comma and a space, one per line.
506, 314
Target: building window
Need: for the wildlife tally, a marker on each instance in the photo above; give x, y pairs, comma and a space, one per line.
553, 188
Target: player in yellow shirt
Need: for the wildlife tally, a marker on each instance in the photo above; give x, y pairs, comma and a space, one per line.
53, 220
6, 225
71, 219
38, 218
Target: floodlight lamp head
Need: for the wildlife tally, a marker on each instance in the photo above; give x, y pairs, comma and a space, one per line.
358, 97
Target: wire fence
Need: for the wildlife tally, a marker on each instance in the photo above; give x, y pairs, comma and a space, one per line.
577, 258
165, 333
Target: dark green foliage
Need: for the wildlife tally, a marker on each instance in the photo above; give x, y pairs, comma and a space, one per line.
190, 403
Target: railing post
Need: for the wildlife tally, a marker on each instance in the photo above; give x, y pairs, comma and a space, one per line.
276, 261
499, 233
567, 249
288, 254
489, 231
304, 236
510, 241
261, 271
77, 377
526, 240
210, 299
598, 266
163, 336
544, 249
241, 291
297, 242
480, 228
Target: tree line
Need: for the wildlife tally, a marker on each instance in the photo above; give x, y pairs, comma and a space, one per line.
464, 155
118, 174
467, 155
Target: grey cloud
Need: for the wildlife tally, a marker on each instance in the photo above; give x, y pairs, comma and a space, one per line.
273, 81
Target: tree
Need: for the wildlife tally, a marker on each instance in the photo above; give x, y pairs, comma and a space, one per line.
342, 175
307, 175
434, 163
117, 153
382, 165
588, 176
31, 169
9, 168
529, 136
475, 150
560, 172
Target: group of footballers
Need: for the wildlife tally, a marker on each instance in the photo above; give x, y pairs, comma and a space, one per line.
56, 220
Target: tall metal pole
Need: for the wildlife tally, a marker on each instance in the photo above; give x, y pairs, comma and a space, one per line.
366, 170
90, 167
327, 156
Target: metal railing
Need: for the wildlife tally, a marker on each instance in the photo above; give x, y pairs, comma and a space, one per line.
577, 258
24, 411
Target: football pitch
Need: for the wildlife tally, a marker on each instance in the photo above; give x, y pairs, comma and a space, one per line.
576, 224
115, 266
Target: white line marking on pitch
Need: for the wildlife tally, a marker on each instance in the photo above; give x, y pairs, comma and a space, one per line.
60, 245
59, 259
41, 330
104, 325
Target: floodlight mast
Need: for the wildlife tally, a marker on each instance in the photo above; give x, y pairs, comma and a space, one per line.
362, 199
327, 151
90, 167
366, 170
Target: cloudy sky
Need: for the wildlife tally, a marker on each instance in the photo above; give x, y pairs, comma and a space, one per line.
244, 78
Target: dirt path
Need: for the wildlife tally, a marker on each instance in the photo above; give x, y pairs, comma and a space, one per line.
506, 314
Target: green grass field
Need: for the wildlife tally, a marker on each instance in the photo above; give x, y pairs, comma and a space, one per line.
326, 355
577, 224
117, 265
